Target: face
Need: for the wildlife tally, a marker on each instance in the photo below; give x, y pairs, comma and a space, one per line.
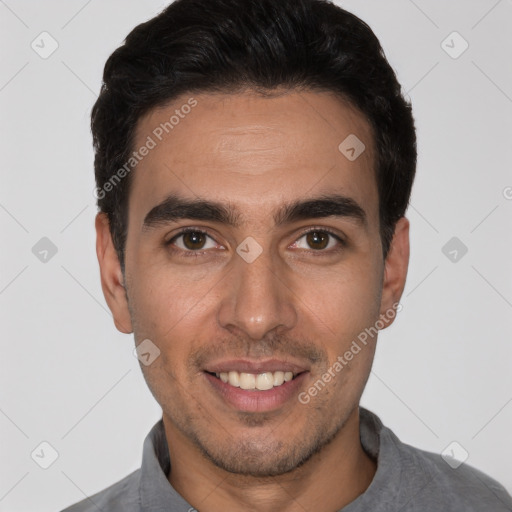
278, 273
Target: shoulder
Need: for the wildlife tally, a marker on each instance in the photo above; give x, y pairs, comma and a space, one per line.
121, 496
453, 487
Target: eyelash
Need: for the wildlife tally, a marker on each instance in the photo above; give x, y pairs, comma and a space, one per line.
195, 254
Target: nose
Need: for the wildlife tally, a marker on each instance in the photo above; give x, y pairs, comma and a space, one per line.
256, 298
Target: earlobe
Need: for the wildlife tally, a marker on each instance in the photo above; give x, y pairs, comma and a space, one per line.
395, 271
112, 281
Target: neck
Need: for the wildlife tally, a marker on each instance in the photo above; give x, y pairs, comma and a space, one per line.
330, 480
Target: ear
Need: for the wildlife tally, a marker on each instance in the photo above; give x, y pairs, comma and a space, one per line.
111, 275
395, 272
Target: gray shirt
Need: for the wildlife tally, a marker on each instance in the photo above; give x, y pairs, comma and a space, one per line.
407, 480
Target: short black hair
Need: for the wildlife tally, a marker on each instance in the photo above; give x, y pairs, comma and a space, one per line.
263, 45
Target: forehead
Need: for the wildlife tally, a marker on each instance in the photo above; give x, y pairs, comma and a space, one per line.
252, 151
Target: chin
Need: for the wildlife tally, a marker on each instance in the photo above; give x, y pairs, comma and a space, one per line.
263, 457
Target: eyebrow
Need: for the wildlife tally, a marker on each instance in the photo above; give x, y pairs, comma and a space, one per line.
175, 208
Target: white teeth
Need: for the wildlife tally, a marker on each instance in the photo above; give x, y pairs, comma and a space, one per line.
265, 381
247, 381
261, 382
278, 378
234, 379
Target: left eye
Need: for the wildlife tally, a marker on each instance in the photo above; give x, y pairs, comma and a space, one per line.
318, 240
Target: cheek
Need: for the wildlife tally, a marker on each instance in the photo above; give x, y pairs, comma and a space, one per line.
170, 309
341, 302
166, 297
168, 313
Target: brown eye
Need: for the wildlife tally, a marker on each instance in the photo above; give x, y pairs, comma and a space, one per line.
320, 240
192, 240
317, 239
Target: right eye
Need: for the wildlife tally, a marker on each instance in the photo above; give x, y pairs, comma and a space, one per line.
192, 240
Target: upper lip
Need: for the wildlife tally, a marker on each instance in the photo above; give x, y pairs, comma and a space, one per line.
256, 366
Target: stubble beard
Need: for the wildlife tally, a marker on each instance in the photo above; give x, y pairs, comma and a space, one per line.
255, 456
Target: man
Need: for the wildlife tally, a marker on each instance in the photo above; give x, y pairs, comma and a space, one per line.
254, 162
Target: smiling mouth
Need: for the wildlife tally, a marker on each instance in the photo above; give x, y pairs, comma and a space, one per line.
255, 382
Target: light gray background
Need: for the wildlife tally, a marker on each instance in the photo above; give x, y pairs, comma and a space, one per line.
442, 372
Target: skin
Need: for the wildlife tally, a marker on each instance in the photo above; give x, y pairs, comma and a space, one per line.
257, 153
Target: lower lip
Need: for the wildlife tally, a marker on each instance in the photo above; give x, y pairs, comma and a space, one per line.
253, 400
